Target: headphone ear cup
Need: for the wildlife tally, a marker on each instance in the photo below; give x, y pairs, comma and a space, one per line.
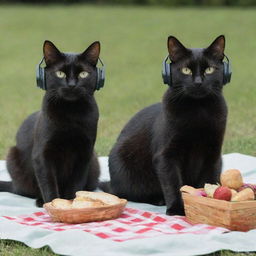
169, 73
100, 78
166, 72
167, 76
43, 79
226, 72
40, 76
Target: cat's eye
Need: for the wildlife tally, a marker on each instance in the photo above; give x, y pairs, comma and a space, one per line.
209, 70
60, 74
186, 71
83, 74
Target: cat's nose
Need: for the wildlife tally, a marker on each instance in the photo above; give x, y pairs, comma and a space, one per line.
71, 83
198, 80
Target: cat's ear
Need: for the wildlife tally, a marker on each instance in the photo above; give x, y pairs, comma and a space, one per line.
51, 53
216, 49
176, 49
92, 53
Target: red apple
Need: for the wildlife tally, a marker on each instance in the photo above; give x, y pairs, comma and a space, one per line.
222, 193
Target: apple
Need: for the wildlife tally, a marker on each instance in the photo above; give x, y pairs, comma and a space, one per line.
222, 193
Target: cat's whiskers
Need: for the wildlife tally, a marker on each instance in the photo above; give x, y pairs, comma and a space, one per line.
216, 92
53, 97
177, 93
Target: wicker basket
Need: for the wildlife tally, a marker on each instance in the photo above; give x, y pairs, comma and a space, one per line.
239, 216
83, 215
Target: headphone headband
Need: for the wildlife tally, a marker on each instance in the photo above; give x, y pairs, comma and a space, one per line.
42, 60
41, 81
225, 56
167, 74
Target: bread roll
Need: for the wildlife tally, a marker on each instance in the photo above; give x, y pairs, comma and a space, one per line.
244, 195
82, 202
104, 197
61, 203
232, 179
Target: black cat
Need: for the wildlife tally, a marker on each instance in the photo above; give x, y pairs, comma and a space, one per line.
54, 155
178, 141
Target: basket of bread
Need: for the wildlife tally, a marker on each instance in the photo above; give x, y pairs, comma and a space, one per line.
86, 207
230, 204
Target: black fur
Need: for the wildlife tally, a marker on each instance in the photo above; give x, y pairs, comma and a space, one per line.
54, 154
178, 141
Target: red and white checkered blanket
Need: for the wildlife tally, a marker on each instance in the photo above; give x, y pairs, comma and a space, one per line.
132, 224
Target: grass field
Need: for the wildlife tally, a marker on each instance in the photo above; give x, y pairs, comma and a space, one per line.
133, 45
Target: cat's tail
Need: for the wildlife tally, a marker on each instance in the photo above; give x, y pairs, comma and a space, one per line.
6, 186
105, 186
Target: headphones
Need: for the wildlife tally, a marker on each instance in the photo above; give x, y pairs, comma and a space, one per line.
167, 77
41, 81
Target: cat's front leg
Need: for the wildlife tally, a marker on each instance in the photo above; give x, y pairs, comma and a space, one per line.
47, 181
77, 181
169, 175
210, 173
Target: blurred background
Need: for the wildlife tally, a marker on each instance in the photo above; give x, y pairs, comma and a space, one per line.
133, 36
149, 2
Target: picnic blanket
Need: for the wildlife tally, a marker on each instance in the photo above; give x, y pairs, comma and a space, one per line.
142, 229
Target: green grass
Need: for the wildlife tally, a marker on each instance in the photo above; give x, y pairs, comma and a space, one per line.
13, 248
133, 46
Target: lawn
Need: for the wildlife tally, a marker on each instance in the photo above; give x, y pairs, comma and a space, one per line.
133, 45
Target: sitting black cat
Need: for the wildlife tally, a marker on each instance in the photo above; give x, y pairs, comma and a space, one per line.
178, 141
54, 155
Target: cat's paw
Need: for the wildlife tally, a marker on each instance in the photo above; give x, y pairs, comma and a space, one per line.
160, 202
157, 202
175, 211
39, 202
